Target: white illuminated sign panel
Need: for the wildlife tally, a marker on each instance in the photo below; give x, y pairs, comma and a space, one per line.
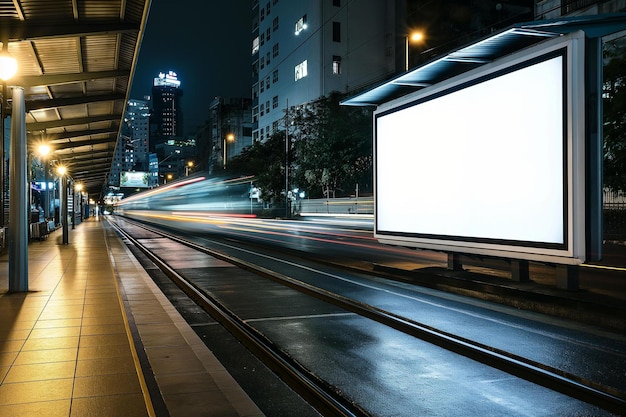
167, 80
488, 164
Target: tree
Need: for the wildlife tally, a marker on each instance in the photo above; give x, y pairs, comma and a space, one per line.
332, 147
266, 162
330, 152
614, 105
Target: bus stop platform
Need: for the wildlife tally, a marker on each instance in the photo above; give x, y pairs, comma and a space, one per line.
94, 336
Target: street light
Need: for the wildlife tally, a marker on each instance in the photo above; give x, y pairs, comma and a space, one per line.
188, 168
8, 64
176, 151
229, 138
413, 37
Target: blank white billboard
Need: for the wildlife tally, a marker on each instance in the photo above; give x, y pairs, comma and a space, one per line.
487, 165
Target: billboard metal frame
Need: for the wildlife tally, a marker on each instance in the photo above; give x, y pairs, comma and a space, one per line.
581, 228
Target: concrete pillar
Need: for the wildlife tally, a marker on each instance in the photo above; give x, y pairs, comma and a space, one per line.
18, 197
63, 196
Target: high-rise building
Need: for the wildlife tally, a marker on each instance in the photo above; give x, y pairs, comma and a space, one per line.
166, 117
303, 50
231, 128
131, 152
552, 9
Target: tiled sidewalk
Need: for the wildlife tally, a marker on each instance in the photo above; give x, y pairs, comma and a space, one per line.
66, 346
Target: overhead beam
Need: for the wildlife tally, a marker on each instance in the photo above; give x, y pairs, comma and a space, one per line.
89, 160
81, 144
72, 101
81, 156
33, 30
54, 137
28, 81
90, 173
38, 126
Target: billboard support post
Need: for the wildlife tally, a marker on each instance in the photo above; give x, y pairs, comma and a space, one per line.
454, 262
567, 277
519, 270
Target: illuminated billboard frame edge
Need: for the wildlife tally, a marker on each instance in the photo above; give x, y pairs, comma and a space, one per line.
571, 247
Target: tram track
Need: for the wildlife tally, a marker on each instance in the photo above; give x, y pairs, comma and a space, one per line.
327, 398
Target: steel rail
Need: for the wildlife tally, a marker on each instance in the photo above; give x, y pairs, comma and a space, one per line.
320, 395
524, 368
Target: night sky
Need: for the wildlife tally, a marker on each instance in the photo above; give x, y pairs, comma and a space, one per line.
207, 43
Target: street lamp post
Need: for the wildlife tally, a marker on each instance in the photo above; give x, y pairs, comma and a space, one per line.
414, 37
188, 168
229, 138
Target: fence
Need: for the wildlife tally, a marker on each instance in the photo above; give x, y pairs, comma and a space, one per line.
614, 216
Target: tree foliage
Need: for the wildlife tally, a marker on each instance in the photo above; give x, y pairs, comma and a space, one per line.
330, 152
266, 161
332, 148
614, 106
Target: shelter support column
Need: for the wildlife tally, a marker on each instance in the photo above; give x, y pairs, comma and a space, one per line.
594, 145
18, 196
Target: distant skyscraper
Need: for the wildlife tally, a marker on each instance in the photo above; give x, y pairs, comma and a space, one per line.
131, 152
166, 118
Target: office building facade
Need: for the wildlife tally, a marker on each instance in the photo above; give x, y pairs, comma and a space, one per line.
303, 50
166, 117
131, 152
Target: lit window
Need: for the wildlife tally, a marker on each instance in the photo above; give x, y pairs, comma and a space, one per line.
301, 70
255, 45
301, 25
336, 65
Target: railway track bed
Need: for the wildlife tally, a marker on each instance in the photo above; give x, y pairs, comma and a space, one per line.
357, 345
